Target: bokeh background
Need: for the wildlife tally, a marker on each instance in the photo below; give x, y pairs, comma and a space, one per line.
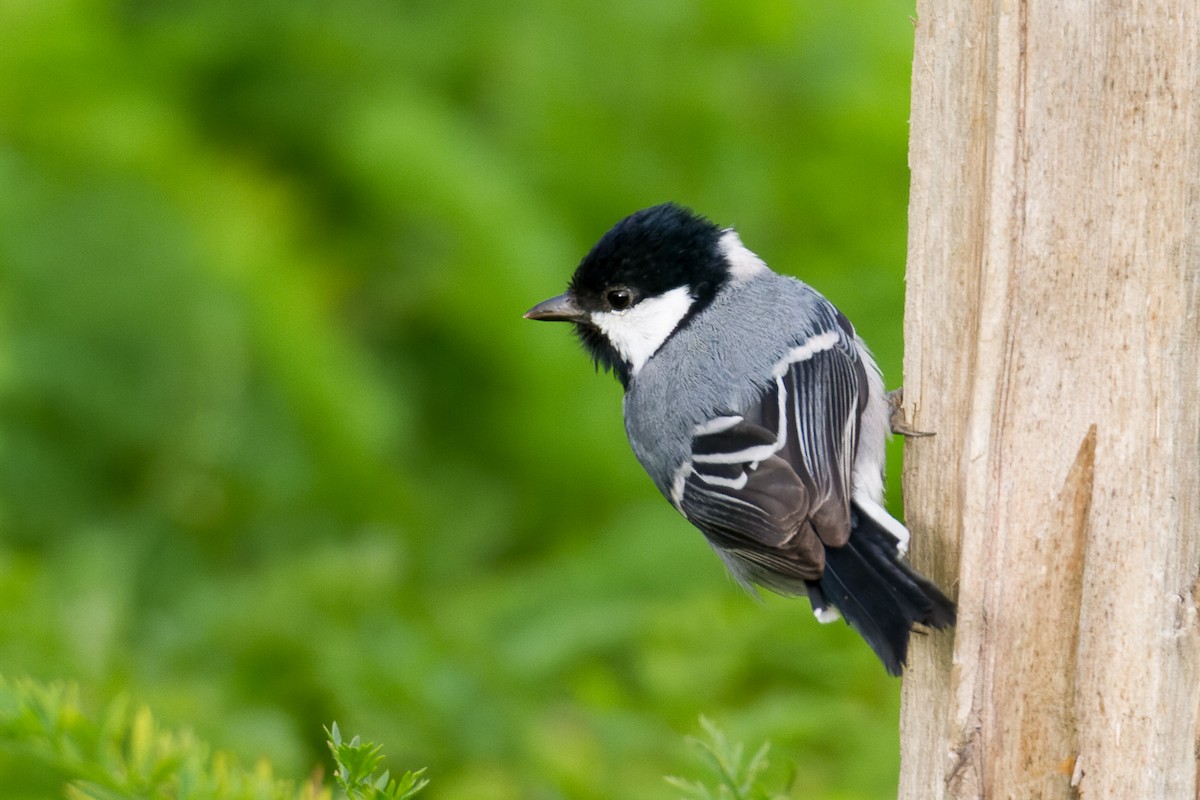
276, 447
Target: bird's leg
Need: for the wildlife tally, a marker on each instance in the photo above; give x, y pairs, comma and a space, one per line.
896, 418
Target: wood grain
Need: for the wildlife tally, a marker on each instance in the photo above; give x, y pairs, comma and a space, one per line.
1053, 344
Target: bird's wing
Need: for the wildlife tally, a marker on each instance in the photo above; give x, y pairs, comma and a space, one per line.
769, 484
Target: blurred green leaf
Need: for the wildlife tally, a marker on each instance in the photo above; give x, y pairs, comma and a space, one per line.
275, 444
734, 776
56, 746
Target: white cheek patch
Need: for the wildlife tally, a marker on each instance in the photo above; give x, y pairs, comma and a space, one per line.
638, 332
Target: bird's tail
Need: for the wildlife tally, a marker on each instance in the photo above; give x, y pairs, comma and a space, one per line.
878, 593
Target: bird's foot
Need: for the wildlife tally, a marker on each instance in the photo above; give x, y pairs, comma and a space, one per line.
896, 419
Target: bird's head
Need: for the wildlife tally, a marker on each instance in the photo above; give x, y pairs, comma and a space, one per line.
644, 279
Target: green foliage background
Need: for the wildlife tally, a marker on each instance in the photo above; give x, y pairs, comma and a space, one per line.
276, 447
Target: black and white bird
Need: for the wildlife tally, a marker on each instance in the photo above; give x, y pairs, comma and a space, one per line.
758, 412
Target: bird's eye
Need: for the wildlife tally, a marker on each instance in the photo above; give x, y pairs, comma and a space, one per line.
619, 299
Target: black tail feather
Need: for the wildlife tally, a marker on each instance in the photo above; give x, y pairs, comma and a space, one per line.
878, 593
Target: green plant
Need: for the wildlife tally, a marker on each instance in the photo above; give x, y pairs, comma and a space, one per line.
124, 753
734, 776
357, 762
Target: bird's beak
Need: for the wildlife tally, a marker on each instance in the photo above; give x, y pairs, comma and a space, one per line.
557, 309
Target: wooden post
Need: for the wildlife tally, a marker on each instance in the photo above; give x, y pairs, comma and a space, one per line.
1053, 344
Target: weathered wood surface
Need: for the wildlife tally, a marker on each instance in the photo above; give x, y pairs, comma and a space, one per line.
1053, 344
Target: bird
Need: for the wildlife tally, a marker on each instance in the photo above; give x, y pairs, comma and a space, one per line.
758, 412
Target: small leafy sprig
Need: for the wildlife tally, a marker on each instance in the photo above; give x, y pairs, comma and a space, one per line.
734, 776
357, 762
122, 752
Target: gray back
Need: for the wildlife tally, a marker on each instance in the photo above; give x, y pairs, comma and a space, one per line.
718, 363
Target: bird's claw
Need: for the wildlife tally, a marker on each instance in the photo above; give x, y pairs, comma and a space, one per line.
896, 419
